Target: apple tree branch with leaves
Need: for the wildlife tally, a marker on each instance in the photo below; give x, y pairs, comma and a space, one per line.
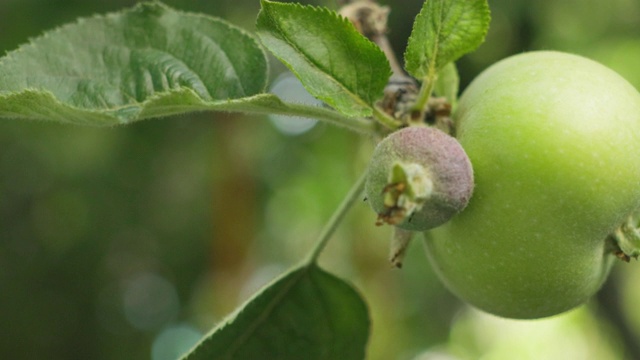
522, 209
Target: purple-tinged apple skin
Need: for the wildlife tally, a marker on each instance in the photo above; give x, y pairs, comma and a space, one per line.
441, 156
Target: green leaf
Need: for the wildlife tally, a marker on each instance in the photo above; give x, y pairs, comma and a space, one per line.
443, 32
333, 61
305, 314
448, 83
143, 62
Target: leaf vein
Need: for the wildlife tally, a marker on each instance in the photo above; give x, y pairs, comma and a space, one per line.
271, 306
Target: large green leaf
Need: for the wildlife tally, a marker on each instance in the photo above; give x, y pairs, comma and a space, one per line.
146, 61
333, 61
443, 31
306, 314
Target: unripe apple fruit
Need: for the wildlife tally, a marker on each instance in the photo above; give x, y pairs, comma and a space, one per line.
554, 140
419, 177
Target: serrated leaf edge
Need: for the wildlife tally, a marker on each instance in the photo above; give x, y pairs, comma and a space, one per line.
486, 17
155, 4
336, 16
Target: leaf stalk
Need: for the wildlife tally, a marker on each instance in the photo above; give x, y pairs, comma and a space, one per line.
385, 119
357, 124
426, 90
354, 194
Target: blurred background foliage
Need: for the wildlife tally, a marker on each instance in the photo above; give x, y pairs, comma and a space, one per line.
131, 242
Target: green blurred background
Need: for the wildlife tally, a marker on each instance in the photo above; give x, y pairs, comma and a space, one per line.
131, 242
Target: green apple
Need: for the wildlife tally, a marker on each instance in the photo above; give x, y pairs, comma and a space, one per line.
554, 140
